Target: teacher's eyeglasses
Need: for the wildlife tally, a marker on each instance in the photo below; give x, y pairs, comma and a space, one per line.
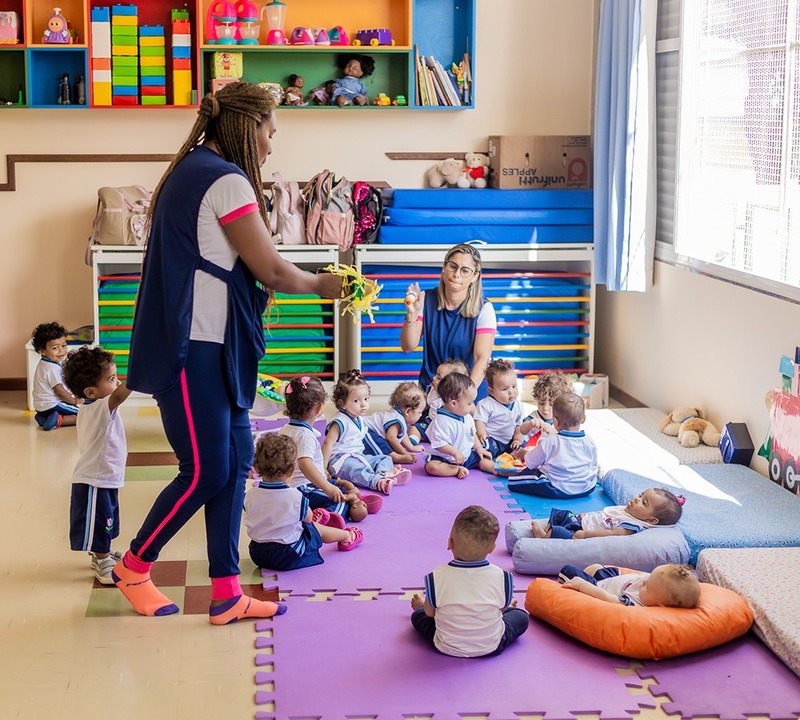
464, 271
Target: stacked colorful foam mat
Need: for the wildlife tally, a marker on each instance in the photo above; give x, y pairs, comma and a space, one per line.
298, 329
451, 216
348, 619
542, 320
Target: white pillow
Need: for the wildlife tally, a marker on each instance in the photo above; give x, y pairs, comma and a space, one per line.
641, 551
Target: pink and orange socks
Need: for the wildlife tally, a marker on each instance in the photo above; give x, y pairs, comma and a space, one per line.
139, 589
242, 607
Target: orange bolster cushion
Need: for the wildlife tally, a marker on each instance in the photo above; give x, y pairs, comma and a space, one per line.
647, 633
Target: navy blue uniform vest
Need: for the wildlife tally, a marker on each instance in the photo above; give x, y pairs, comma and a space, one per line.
163, 316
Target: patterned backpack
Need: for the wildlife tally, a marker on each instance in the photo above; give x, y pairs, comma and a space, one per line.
367, 212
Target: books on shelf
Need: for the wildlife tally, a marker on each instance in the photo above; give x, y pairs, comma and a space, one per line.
437, 87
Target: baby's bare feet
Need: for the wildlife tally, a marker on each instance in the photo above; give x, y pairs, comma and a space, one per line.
537, 530
461, 472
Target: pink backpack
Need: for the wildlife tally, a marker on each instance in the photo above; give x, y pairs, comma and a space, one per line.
288, 209
329, 210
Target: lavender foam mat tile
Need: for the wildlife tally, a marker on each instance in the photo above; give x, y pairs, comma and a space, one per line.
400, 675
736, 680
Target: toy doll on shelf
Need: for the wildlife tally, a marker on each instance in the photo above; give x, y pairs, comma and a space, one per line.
57, 30
349, 90
294, 91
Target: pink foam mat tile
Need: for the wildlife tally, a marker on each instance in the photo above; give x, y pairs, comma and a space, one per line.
400, 675
734, 681
397, 552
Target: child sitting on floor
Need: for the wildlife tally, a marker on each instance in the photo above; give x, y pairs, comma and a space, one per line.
668, 585
305, 398
498, 417
455, 448
100, 470
419, 431
654, 507
388, 430
468, 610
547, 388
55, 406
343, 449
283, 535
563, 465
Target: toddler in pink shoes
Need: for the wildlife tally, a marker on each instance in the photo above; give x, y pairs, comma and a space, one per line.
284, 533
343, 448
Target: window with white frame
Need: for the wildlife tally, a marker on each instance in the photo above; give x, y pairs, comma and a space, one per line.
728, 96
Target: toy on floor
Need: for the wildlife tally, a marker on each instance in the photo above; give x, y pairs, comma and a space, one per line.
507, 464
359, 293
269, 398
690, 427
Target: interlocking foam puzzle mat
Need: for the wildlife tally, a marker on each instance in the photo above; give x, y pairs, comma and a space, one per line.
351, 617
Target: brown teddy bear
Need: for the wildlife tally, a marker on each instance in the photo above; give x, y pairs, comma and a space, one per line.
690, 427
446, 174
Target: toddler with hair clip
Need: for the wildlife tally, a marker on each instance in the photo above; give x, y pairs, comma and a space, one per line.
343, 448
305, 398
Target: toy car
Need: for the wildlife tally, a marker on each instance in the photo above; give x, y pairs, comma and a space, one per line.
400, 100
374, 37
382, 99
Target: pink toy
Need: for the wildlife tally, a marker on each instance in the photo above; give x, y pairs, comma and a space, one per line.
338, 36
247, 27
221, 23
301, 36
275, 15
9, 27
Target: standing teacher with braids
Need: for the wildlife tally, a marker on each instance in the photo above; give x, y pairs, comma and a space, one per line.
454, 321
197, 338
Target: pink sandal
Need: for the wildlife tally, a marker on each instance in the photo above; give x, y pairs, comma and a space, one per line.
400, 475
331, 519
356, 538
336, 521
373, 503
385, 485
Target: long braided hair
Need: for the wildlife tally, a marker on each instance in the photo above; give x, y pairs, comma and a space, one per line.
229, 117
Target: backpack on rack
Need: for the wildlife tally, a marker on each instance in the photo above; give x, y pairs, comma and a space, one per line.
367, 211
329, 210
120, 217
288, 208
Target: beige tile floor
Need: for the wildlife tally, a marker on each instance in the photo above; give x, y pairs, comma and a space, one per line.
73, 650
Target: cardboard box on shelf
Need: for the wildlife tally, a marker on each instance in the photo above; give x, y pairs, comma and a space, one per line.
520, 162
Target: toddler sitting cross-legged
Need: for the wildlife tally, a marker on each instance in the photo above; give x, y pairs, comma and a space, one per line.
283, 535
668, 585
654, 507
388, 430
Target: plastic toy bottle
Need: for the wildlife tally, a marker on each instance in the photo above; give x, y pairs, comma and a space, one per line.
80, 91
275, 14
63, 90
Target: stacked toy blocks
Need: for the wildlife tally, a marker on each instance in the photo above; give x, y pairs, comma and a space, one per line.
182, 58
124, 55
100, 62
152, 65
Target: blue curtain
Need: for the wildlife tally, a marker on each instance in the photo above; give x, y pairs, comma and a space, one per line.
624, 145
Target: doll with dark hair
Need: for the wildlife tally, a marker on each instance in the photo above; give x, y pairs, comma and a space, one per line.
294, 91
349, 90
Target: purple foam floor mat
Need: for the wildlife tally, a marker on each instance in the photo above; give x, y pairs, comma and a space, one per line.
739, 679
397, 552
400, 675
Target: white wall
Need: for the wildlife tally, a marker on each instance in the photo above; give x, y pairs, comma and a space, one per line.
697, 341
533, 74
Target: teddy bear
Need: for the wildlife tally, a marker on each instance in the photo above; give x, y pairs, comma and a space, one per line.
446, 174
690, 427
476, 171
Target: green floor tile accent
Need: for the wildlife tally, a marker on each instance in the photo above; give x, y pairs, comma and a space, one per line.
110, 602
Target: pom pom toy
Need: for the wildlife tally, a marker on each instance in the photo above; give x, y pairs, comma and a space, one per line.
359, 293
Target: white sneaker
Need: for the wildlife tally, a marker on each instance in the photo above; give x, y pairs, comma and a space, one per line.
114, 554
102, 568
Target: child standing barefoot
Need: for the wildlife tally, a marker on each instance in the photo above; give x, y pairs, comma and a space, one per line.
305, 398
278, 518
388, 430
455, 449
343, 449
